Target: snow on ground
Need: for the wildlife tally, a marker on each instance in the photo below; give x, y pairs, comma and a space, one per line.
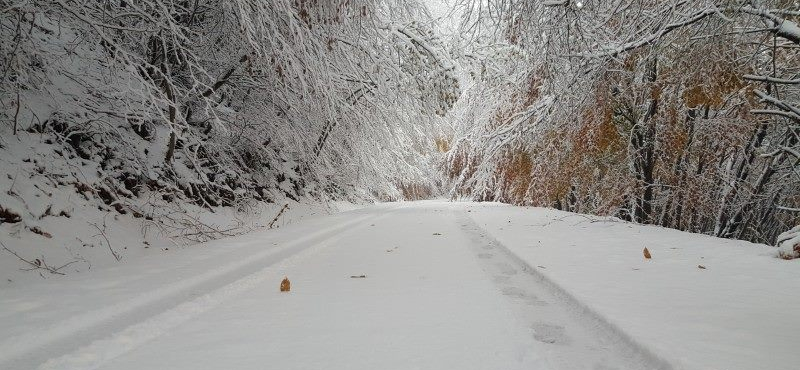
43, 317
85, 240
446, 285
59, 220
737, 313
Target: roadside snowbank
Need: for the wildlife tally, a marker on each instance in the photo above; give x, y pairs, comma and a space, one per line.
52, 217
734, 312
43, 315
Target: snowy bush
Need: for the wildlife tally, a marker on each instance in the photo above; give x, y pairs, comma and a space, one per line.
222, 99
644, 111
161, 110
789, 244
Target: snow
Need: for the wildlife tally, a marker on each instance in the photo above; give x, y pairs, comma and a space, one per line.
447, 285
400, 316
789, 29
789, 243
734, 314
57, 197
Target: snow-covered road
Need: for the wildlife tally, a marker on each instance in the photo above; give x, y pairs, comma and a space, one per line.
439, 292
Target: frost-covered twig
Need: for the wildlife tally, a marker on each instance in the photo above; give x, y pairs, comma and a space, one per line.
38, 263
101, 232
283, 209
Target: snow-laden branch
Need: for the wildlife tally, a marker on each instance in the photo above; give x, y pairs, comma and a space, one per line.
780, 26
783, 105
770, 79
613, 51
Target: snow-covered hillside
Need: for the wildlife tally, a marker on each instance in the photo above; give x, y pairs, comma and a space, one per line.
122, 124
646, 111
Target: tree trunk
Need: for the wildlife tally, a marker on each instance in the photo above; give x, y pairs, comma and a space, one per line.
172, 116
643, 145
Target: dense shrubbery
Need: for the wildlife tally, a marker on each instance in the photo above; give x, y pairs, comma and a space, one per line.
681, 114
224, 102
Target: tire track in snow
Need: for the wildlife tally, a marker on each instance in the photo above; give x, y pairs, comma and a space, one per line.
99, 352
577, 336
134, 317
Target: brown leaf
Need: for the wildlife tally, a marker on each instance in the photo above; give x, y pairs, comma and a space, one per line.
701, 267
285, 284
41, 232
646, 253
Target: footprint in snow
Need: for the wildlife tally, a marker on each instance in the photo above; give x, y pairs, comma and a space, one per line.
520, 294
514, 292
507, 269
549, 333
485, 256
501, 278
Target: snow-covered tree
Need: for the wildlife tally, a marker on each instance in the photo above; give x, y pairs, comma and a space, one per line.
669, 112
223, 102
